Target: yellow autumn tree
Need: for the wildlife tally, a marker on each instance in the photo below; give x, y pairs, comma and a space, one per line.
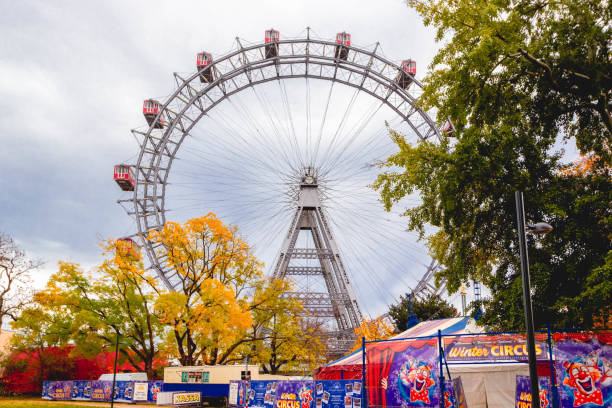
586, 164
280, 338
372, 330
96, 307
215, 276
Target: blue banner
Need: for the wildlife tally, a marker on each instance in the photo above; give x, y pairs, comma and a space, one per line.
523, 392
60, 390
294, 394
81, 391
96, 390
45, 390
338, 394
154, 388
450, 401
260, 394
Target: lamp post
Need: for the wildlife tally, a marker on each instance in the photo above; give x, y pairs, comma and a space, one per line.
112, 402
539, 228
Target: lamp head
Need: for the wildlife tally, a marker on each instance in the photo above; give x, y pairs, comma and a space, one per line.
539, 228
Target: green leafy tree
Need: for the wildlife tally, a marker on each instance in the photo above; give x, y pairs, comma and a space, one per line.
115, 301
280, 339
515, 77
431, 307
543, 65
36, 330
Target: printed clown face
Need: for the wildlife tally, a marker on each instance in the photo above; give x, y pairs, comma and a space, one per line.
582, 378
421, 378
415, 381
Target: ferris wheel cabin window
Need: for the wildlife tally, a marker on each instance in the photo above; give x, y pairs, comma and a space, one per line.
150, 109
271, 48
123, 176
203, 64
406, 73
343, 41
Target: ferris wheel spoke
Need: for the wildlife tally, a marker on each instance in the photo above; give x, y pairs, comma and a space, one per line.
341, 125
308, 125
287, 110
374, 147
276, 124
322, 126
389, 259
269, 160
356, 132
261, 132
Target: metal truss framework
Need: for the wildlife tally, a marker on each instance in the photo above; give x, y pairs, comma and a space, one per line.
426, 285
339, 302
240, 69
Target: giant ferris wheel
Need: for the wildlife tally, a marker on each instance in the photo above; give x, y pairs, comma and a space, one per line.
283, 138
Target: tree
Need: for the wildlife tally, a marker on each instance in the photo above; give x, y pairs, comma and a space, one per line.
372, 330
544, 63
280, 338
114, 302
40, 333
570, 268
216, 276
15, 269
431, 307
491, 78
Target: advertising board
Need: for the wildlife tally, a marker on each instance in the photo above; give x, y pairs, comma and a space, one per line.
186, 398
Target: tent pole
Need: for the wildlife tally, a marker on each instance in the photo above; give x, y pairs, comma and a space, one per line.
363, 373
553, 379
440, 351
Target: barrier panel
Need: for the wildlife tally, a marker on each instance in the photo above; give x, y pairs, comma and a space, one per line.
583, 363
339, 394
294, 394
297, 394
523, 392
403, 373
414, 372
100, 391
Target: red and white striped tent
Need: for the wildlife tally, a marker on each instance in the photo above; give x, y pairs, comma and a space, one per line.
349, 367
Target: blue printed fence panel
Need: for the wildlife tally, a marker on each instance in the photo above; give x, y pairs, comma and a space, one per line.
258, 393
97, 391
339, 394
523, 392
45, 390
60, 390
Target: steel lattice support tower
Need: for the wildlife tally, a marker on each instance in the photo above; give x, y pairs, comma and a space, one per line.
339, 303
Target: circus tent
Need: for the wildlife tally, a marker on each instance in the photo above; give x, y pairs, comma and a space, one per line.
350, 366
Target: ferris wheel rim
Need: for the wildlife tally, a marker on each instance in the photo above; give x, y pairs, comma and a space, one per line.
150, 175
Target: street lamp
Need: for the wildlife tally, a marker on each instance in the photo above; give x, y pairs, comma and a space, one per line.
539, 228
112, 401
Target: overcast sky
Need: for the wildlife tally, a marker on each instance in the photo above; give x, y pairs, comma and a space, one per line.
73, 75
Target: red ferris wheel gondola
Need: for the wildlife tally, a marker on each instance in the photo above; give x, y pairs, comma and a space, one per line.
124, 177
204, 65
406, 74
150, 109
343, 41
127, 246
448, 129
272, 37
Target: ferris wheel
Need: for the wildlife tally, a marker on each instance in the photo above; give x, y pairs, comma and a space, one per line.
245, 132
